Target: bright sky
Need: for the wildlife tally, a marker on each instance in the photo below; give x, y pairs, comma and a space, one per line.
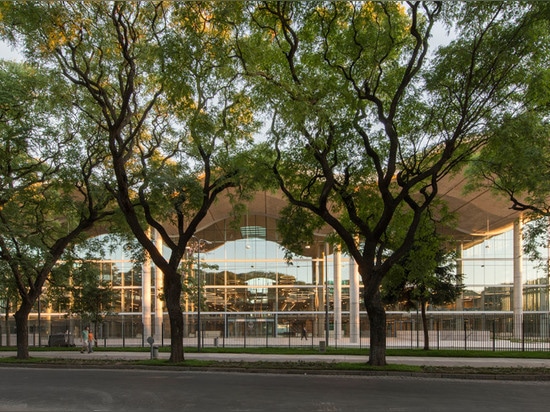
6, 52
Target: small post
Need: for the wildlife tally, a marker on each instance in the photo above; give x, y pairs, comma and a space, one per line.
494, 335
150, 341
465, 334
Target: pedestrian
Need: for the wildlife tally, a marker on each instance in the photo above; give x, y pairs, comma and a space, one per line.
85, 338
304, 333
90, 341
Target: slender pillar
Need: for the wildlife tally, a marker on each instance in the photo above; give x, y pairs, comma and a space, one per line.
337, 262
159, 289
317, 299
459, 270
322, 292
354, 329
518, 278
146, 297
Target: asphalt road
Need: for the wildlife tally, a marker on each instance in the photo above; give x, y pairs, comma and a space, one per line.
104, 390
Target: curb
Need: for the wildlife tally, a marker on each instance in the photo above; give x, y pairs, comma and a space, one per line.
122, 364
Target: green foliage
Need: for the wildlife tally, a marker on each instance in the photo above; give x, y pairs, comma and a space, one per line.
91, 297
426, 275
296, 227
514, 161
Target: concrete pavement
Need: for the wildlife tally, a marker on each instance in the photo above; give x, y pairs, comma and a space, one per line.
329, 358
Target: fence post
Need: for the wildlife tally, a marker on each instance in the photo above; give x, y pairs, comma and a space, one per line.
360, 343
312, 335
465, 336
245, 327
412, 332
494, 335
523, 334
437, 328
266, 323
289, 334
417, 330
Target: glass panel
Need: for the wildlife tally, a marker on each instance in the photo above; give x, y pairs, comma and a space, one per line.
106, 272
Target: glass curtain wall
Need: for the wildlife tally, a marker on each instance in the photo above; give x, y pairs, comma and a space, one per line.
489, 277
248, 289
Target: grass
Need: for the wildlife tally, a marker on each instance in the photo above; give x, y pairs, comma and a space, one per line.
457, 353
389, 352
299, 366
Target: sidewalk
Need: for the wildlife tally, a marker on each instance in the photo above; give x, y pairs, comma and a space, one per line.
329, 358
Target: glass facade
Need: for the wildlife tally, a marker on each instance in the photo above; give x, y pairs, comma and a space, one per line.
489, 277
248, 291
250, 276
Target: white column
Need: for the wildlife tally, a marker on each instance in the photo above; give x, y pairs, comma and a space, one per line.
337, 293
324, 301
354, 329
318, 294
146, 297
459, 270
159, 290
518, 278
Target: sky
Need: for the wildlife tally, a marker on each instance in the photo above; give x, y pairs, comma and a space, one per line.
7, 53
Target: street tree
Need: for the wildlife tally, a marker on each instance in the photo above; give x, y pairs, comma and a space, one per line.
76, 285
425, 276
515, 164
366, 118
158, 81
49, 195
8, 299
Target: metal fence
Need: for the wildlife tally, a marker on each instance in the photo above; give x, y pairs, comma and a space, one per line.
446, 330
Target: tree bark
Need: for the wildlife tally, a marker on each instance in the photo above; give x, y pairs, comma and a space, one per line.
425, 326
172, 296
377, 319
6, 320
22, 330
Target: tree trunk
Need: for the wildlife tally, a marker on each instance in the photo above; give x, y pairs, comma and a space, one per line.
377, 319
172, 296
21, 327
425, 325
7, 321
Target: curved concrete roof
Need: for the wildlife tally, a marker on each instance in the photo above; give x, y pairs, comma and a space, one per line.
480, 215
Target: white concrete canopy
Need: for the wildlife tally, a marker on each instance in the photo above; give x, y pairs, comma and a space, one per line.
480, 215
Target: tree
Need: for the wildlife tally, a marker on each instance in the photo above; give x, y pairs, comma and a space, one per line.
49, 197
76, 285
158, 81
365, 121
424, 276
93, 298
515, 162
8, 297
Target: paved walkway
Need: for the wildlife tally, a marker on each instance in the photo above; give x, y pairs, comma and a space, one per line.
246, 357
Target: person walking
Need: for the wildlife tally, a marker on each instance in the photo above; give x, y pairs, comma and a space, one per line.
90, 341
85, 338
304, 333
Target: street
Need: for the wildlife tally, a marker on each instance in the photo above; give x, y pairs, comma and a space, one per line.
25, 389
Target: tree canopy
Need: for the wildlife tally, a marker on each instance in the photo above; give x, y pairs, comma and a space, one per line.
51, 190
158, 83
372, 119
